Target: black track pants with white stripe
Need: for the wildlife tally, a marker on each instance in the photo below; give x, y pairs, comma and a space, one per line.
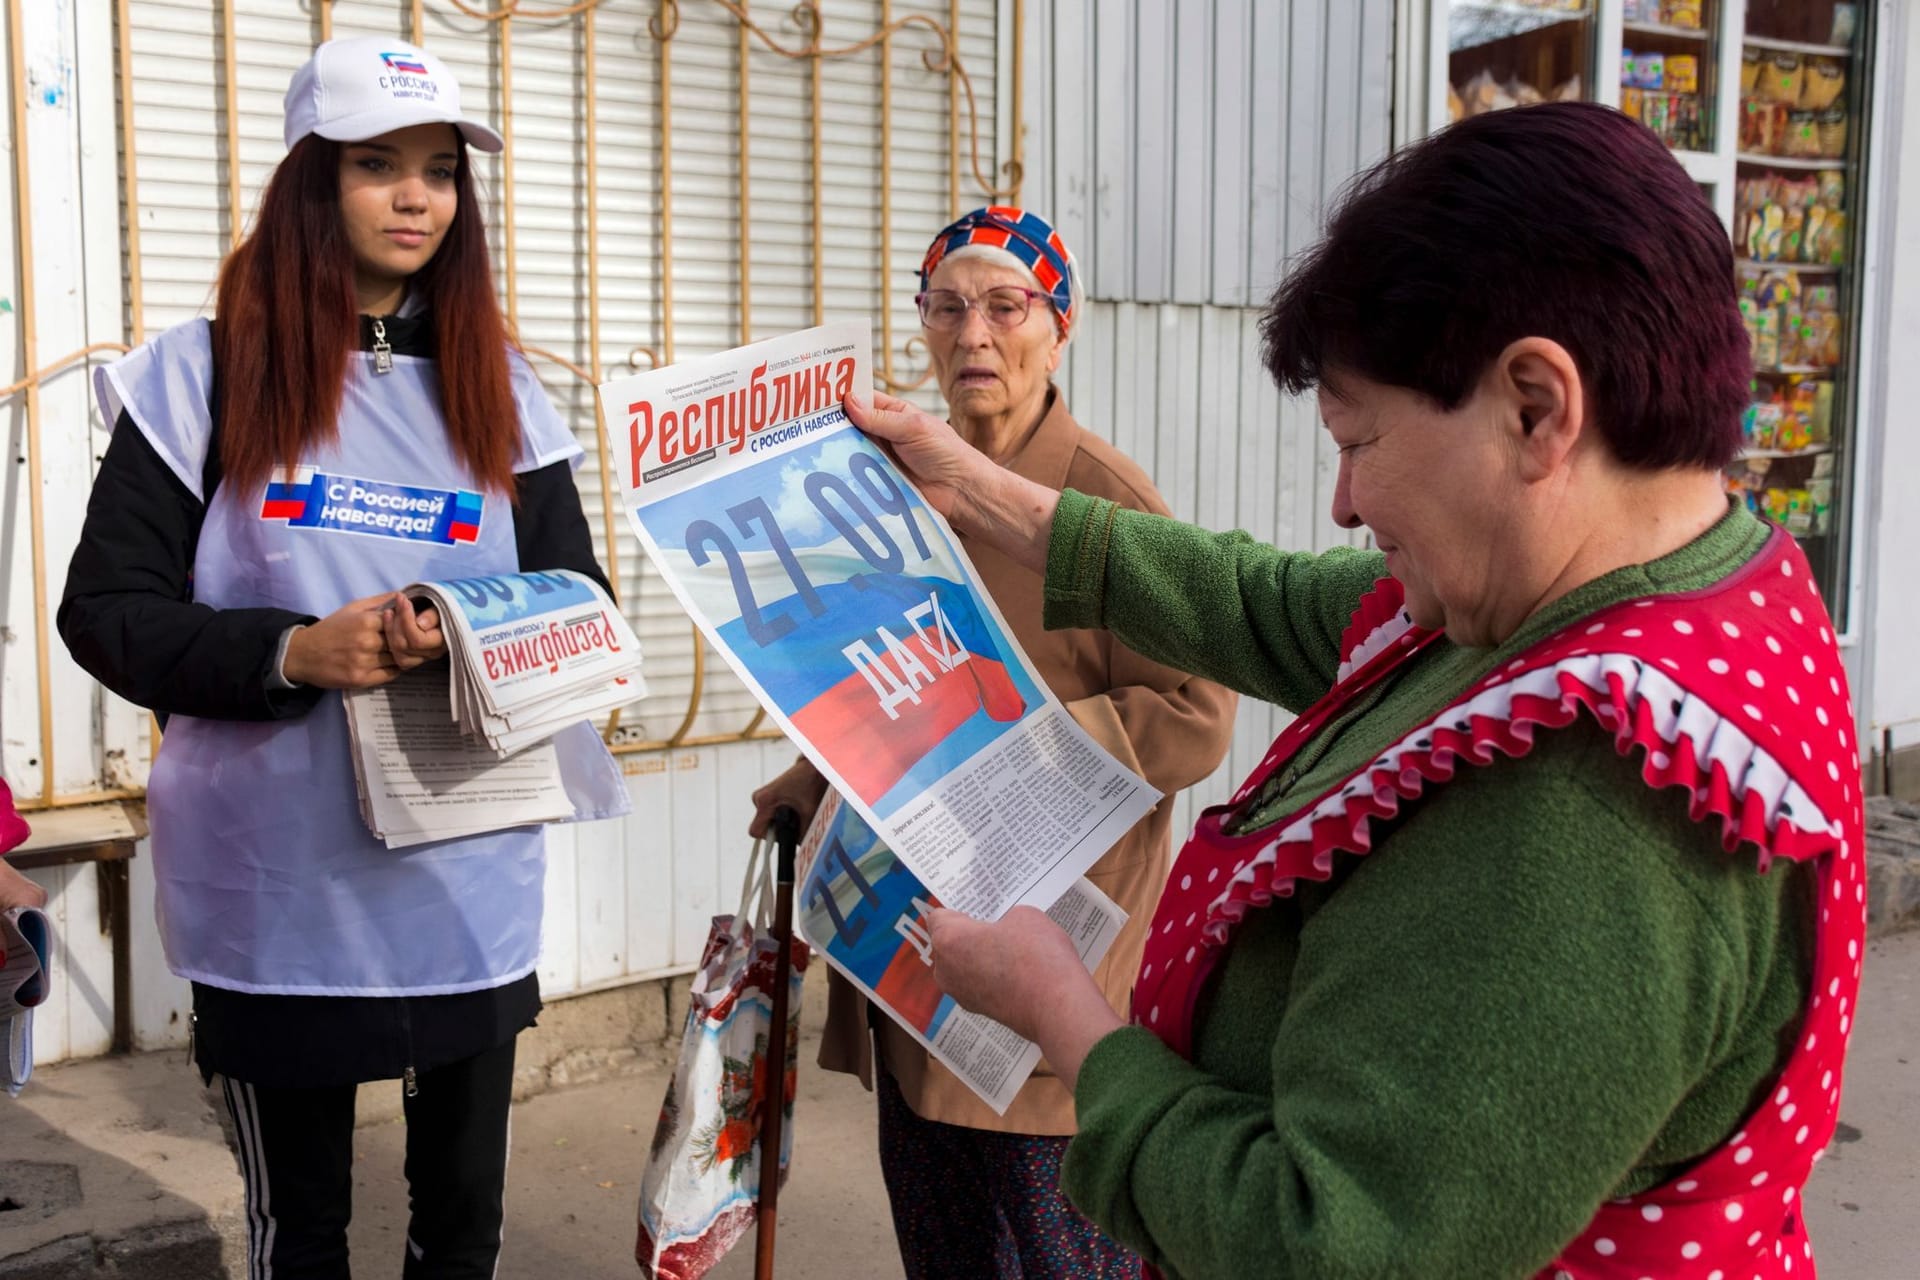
296, 1160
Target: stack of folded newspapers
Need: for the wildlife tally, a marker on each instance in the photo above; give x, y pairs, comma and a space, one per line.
464, 748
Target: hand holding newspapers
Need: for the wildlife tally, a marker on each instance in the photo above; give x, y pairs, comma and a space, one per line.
848, 607
458, 749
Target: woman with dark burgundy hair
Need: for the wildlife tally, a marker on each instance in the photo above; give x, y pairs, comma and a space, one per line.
355, 418
1532, 946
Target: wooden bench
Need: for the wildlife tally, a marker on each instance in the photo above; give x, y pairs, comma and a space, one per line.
105, 835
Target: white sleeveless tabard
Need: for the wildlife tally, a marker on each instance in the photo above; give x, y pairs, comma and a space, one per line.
269, 881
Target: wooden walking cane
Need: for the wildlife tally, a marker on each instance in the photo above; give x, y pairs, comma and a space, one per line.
786, 835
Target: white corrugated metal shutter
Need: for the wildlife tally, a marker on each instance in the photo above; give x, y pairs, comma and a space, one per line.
629, 898
1187, 149
1188, 146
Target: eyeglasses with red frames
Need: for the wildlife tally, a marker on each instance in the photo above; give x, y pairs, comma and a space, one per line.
1003, 307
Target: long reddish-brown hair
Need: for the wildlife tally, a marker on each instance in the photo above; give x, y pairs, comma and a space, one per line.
288, 322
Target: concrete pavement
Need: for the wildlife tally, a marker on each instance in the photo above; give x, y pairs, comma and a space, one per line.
1863, 1204
573, 1183
120, 1169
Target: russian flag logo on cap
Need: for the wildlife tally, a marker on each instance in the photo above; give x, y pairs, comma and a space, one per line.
404, 63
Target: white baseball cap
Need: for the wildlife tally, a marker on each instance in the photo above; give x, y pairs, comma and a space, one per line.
355, 89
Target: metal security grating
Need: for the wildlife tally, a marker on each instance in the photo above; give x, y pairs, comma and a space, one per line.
680, 176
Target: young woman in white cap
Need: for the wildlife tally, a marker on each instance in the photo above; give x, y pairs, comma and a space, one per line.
354, 418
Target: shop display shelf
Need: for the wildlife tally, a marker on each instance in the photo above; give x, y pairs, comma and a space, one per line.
1791, 162
1516, 8
1701, 166
1795, 371
1662, 29
1472, 23
1804, 268
1797, 46
1812, 450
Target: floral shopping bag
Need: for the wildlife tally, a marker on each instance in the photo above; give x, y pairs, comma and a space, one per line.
26, 963
700, 1191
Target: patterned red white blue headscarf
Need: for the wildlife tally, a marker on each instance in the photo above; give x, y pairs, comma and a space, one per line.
1029, 237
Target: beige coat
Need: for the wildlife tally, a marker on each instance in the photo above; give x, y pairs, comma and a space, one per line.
1171, 727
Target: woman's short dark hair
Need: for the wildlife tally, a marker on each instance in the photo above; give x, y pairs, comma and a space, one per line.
1565, 221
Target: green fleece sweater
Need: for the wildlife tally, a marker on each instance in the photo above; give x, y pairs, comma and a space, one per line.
1546, 986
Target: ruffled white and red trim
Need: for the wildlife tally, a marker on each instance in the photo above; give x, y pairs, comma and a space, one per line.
1736, 694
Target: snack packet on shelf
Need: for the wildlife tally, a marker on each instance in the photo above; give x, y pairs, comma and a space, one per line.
1799, 519
1777, 288
1766, 338
1770, 128
1816, 233
1792, 335
1753, 124
1803, 136
1796, 419
1782, 79
1820, 504
1846, 16
1763, 427
1793, 235
1823, 415
1656, 113
1834, 251
1683, 73
1827, 340
1746, 479
1830, 132
1773, 233
1825, 80
1483, 94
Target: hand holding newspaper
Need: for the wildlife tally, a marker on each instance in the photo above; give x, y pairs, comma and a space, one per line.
461, 749
862, 909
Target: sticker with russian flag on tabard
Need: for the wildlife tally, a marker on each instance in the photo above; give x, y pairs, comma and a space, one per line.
314, 499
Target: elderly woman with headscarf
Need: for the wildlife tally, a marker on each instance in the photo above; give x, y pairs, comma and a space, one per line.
976, 1194
1532, 946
